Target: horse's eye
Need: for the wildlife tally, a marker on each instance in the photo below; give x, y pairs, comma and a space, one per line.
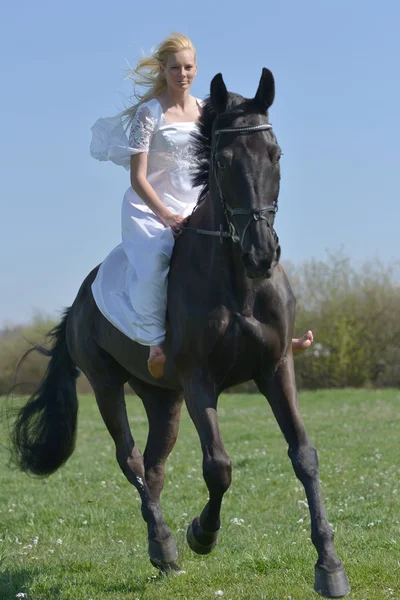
221, 165
223, 158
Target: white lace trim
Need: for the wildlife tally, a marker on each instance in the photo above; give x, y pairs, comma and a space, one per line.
142, 129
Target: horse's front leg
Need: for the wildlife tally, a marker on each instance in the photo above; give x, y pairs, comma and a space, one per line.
280, 390
201, 400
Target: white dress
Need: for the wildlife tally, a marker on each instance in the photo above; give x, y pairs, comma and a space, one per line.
130, 288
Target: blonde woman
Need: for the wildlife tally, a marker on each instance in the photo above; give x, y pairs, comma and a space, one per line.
161, 161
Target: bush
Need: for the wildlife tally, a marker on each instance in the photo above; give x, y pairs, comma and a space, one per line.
355, 317
14, 343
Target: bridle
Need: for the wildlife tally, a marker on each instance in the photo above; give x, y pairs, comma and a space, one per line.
256, 214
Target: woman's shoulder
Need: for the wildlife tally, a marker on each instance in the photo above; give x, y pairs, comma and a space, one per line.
150, 108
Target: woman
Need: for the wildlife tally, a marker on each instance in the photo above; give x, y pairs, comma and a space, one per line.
160, 196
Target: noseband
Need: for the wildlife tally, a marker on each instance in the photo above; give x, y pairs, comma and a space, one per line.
256, 214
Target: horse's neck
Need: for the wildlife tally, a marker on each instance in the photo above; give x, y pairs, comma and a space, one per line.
225, 268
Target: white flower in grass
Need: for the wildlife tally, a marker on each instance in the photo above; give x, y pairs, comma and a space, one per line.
237, 521
302, 503
371, 524
59, 541
300, 521
219, 592
35, 540
21, 595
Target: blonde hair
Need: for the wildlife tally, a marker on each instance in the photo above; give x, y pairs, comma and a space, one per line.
148, 72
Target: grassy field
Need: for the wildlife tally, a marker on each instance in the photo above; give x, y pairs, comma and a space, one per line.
79, 535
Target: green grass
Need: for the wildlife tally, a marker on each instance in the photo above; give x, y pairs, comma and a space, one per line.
79, 535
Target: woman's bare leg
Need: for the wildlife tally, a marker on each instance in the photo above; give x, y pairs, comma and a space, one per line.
156, 361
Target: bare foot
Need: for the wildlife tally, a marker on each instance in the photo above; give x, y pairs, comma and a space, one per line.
300, 344
156, 361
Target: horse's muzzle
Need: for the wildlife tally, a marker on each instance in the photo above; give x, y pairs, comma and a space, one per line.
257, 269
260, 267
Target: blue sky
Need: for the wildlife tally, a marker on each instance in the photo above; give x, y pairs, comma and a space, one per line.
336, 116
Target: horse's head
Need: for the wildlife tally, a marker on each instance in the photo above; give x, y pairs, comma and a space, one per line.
245, 172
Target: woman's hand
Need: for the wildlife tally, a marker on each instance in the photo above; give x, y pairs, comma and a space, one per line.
174, 221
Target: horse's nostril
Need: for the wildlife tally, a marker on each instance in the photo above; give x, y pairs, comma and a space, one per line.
257, 267
249, 261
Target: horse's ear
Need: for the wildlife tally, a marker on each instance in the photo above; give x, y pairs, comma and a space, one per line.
218, 94
266, 90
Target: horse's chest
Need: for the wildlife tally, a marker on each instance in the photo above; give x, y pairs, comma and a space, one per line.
241, 350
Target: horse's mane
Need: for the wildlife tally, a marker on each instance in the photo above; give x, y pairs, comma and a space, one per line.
201, 141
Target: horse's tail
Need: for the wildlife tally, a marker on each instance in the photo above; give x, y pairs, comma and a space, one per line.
43, 435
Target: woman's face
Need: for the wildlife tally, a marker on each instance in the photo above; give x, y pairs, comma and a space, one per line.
180, 70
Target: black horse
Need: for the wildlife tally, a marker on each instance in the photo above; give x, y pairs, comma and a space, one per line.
230, 319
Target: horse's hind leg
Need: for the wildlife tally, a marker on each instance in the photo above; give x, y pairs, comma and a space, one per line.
280, 389
110, 398
163, 408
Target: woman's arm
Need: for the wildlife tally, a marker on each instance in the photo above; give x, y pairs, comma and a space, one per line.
147, 193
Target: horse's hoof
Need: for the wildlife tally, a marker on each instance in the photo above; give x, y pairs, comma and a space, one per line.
163, 555
165, 567
331, 585
200, 541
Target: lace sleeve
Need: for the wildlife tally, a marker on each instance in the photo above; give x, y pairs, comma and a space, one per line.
142, 130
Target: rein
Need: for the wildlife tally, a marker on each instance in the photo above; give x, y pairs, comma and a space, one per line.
256, 214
